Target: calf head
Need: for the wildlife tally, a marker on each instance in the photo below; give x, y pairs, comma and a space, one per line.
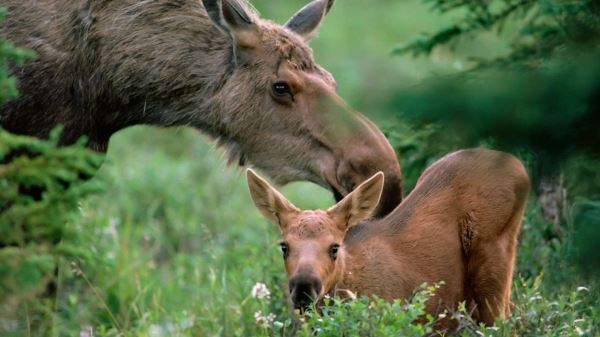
284, 114
313, 241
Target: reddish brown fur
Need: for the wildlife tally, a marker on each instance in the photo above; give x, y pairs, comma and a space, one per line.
104, 65
459, 226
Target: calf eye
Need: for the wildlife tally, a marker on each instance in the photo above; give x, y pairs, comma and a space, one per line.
285, 249
282, 90
333, 250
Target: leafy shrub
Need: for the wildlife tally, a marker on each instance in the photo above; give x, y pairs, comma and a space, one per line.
41, 185
560, 315
372, 317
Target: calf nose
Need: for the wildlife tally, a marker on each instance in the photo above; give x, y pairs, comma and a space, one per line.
303, 290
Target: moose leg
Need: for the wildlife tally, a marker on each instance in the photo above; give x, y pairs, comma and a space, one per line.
490, 271
490, 274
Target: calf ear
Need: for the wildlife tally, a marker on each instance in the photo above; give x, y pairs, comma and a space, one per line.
272, 204
306, 21
359, 204
233, 18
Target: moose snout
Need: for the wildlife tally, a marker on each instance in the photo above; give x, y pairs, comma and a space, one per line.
304, 289
363, 156
362, 166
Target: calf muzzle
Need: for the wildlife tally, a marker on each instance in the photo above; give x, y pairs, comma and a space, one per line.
304, 289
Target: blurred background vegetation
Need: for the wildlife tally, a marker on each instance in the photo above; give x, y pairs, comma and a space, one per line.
164, 241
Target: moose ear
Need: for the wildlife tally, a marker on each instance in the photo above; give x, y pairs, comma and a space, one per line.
272, 204
306, 21
359, 204
233, 18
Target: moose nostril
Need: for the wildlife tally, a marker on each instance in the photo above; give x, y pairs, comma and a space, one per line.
304, 290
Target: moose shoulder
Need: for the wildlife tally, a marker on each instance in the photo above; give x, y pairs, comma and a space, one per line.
459, 225
249, 83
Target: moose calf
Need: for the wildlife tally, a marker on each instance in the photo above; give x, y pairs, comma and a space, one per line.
459, 225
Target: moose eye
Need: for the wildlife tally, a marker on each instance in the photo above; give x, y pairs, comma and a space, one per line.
282, 89
285, 249
333, 250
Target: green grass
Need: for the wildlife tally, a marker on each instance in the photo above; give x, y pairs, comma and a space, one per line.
178, 237
177, 231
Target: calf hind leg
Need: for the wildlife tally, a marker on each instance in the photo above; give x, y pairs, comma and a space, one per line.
490, 276
490, 272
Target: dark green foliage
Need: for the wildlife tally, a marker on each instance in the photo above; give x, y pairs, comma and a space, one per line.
542, 94
539, 28
552, 111
41, 186
586, 237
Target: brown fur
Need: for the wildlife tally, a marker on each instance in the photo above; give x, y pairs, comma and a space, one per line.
103, 65
459, 226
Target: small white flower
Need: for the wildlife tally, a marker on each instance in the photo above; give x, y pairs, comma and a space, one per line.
260, 291
580, 289
86, 331
264, 320
258, 316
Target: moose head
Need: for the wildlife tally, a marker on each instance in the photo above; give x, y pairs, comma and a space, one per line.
313, 241
285, 116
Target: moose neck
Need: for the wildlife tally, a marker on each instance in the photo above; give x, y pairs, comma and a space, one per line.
371, 263
141, 66
180, 85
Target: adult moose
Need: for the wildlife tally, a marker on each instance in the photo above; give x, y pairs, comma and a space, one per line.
103, 65
459, 225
